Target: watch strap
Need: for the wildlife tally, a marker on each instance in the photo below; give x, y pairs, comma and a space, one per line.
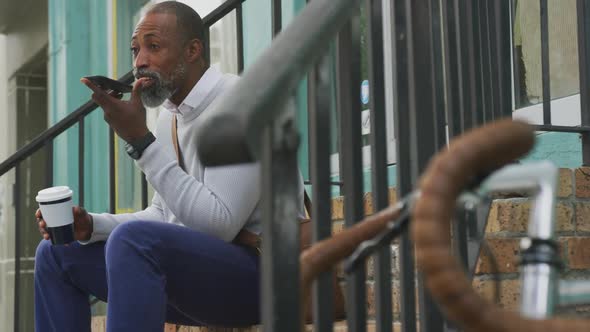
139, 145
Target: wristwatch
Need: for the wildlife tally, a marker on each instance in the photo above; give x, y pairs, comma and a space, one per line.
135, 148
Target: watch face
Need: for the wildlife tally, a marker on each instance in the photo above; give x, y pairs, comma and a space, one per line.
136, 148
131, 151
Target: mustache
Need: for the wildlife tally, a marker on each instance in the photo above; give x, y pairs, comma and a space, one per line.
139, 73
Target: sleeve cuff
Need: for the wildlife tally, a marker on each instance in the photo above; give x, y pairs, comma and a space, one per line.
101, 228
154, 158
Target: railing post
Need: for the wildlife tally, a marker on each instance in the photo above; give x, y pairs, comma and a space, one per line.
277, 16
438, 91
208, 43
473, 19
348, 78
240, 37
471, 85
319, 119
544, 18
453, 67
17, 245
378, 140
423, 114
144, 192
49, 164
280, 242
112, 170
81, 147
404, 177
503, 55
583, 9
485, 60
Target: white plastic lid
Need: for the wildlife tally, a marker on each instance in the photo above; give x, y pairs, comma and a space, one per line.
54, 194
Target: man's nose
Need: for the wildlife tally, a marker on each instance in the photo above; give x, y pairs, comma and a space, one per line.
141, 60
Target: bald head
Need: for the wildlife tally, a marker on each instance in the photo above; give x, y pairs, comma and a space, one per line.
189, 24
168, 49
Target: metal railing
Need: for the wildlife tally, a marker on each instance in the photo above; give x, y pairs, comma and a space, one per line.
45, 141
257, 121
452, 67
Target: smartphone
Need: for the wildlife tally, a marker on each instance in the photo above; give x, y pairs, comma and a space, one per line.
106, 83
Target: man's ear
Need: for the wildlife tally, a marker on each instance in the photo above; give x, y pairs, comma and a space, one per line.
194, 51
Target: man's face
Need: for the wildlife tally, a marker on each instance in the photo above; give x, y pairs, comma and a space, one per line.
158, 55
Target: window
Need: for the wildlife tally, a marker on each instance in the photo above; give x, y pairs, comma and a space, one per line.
364, 93
563, 62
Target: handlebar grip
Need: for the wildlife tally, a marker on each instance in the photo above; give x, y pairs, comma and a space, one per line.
480, 151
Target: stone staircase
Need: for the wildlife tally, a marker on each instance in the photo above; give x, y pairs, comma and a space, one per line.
98, 325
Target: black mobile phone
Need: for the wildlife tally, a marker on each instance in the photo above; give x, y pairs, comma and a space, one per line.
106, 83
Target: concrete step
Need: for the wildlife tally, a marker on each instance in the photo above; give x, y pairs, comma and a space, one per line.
99, 323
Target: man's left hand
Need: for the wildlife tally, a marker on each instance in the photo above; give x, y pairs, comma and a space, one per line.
127, 118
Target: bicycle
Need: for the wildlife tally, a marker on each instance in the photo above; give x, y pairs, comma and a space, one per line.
429, 210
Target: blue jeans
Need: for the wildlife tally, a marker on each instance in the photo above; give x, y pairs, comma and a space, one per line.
149, 273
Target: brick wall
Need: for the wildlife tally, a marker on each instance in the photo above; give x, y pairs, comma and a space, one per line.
507, 223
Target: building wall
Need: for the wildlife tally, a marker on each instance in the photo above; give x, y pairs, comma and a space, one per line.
77, 48
563, 47
24, 39
6, 208
27, 37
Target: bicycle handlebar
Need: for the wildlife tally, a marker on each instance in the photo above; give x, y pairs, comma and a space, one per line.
481, 150
323, 255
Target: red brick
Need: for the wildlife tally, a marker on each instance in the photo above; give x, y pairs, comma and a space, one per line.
509, 291
190, 329
564, 213
505, 251
395, 298
371, 327
394, 268
583, 182
98, 324
509, 215
337, 227
562, 248
392, 196
565, 183
338, 208
578, 253
338, 204
254, 328
368, 204
583, 216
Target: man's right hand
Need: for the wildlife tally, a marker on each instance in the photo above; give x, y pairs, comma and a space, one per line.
82, 224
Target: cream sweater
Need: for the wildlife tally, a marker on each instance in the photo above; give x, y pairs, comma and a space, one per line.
218, 201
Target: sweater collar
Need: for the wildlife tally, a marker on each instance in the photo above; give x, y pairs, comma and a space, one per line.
197, 95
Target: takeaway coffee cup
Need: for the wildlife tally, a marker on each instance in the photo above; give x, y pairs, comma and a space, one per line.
56, 206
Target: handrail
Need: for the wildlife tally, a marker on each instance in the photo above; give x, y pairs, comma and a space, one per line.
231, 134
51, 133
220, 12
82, 111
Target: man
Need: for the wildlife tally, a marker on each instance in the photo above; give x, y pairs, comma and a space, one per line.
174, 261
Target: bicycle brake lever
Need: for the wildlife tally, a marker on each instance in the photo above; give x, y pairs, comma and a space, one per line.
392, 230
